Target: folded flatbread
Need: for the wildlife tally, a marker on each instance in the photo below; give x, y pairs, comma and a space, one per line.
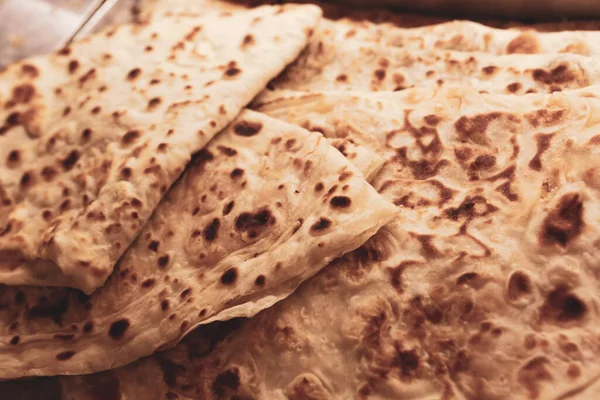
331, 63
483, 287
262, 208
91, 137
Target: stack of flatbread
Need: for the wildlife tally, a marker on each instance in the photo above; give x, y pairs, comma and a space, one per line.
393, 212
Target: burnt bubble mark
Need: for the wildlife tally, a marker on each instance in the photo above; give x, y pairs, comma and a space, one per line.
229, 276
163, 261
201, 158
340, 202
226, 382
519, 285
251, 222
130, 136
563, 306
247, 128
118, 328
71, 159
228, 207
65, 355
564, 223
543, 144
470, 208
211, 230
237, 173
260, 280
321, 225
421, 169
473, 129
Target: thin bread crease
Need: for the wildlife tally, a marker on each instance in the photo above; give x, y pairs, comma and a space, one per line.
91, 137
261, 209
483, 286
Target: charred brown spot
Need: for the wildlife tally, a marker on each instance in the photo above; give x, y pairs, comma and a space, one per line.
543, 144
65, 355
164, 305
154, 102
564, 223
153, 245
247, 128
229, 277
513, 87
432, 119
379, 74
260, 280
96, 110
15, 340
30, 71
228, 207
211, 230
525, 43
163, 261
248, 41
73, 66
236, 173
26, 179
185, 293
148, 283
489, 70
118, 328
545, 117
226, 383
88, 327
251, 221
71, 159
471, 207
481, 163
340, 202
321, 225
232, 72
562, 306
319, 187
14, 156
519, 285
48, 173
86, 134
407, 361
133, 74
558, 75
130, 137
473, 128
228, 151
50, 308
126, 173
23, 93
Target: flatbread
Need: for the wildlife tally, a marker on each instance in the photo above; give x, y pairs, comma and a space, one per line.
331, 63
472, 36
483, 287
262, 208
91, 137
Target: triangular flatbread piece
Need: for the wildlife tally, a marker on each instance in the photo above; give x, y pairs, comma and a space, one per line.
262, 208
91, 137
